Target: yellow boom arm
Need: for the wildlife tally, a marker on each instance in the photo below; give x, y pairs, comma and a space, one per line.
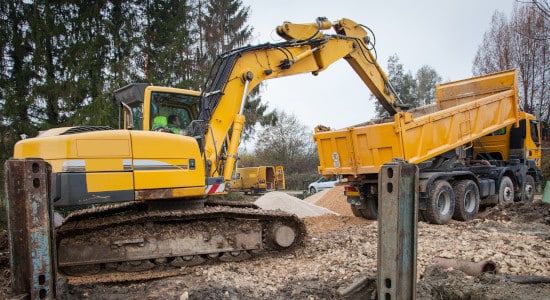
307, 49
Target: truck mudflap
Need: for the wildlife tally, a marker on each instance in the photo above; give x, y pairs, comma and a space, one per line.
130, 242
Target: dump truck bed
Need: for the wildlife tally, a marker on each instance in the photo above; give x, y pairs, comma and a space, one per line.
465, 110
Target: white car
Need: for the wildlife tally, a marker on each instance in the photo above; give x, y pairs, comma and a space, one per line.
322, 184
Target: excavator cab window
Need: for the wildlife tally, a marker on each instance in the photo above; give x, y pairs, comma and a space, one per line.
167, 107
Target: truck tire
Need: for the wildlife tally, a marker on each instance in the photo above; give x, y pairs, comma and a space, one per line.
466, 200
440, 204
529, 189
369, 213
372, 208
356, 211
506, 190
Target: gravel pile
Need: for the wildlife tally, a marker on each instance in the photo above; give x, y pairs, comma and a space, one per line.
313, 198
290, 204
332, 199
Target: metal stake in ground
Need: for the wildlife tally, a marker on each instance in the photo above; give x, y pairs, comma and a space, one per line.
30, 229
397, 232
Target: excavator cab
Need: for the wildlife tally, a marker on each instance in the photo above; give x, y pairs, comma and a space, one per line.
152, 108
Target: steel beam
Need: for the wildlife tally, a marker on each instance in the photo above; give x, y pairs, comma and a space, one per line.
30, 228
397, 230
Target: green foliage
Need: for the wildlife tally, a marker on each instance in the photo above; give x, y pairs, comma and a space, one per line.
416, 90
221, 26
255, 113
426, 82
224, 26
290, 144
168, 44
247, 159
63, 59
300, 180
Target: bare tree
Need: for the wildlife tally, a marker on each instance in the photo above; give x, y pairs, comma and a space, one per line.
522, 42
288, 143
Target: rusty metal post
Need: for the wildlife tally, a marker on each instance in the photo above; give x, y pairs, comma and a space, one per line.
30, 228
397, 230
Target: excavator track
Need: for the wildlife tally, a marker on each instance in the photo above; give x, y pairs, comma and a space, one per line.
130, 242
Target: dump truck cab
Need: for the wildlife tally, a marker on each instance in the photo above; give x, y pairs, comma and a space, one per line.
516, 147
512, 142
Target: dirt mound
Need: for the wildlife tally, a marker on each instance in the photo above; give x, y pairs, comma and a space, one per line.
535, 212
315, 197
333, 199
290, 204
326, 223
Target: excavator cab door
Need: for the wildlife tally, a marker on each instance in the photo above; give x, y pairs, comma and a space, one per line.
171, 111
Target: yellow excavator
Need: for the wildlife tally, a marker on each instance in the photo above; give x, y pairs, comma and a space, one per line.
177, 148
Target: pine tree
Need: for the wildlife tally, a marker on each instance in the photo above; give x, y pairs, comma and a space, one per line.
16, 75
168, 44
222, 25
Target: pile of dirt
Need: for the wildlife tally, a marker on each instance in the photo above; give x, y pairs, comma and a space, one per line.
538, 212
315, 197
290, 204
333, 199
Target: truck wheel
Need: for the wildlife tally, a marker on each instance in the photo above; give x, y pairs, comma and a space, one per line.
506, 190
529, 189
370, 213
440, 204
356, 211
466, 200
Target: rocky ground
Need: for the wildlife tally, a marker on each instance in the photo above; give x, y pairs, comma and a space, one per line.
341, 249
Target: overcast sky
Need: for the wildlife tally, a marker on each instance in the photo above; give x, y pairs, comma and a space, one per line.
442, 34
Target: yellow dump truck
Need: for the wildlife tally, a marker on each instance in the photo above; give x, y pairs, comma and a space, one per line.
258, 180
461, 162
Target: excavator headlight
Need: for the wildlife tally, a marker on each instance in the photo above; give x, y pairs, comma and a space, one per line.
192, 165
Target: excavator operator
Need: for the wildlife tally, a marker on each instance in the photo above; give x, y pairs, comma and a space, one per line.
174, 124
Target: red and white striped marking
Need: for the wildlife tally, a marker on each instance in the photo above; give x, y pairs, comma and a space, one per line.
215, 188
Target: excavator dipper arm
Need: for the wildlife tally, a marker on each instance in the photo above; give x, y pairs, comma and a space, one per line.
307, 49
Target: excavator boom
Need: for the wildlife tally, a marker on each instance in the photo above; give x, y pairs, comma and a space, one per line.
307, 50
